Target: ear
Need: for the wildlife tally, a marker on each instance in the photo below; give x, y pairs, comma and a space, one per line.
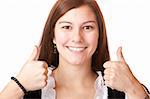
54, 40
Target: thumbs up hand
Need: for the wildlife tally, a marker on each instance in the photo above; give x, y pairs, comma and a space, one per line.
34, 73
117, 74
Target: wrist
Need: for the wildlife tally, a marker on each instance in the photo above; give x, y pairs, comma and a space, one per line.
22, 81
19, 84
136, 91
16, 89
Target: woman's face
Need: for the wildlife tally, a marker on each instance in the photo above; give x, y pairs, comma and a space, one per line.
76, 36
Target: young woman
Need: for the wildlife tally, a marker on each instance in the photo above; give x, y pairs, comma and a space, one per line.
72, 61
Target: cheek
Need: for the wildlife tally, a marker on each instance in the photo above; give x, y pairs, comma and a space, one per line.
60, 37
93, 40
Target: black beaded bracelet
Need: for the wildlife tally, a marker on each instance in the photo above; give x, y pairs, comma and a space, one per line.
19, 84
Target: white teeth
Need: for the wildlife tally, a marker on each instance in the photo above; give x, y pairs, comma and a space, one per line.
78, 49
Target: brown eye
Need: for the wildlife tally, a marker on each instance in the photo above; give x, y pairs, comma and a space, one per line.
67, 27
88, 28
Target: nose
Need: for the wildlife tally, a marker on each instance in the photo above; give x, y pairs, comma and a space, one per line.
77, 36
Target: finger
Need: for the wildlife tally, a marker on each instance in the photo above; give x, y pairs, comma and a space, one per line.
46, 77
110, 64
45, 65
108, 71
46, 71
38, 54
35, 54
109, 84
120, 55
106, 78
107, 64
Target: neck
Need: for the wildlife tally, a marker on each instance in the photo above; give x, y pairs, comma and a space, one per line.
74, 76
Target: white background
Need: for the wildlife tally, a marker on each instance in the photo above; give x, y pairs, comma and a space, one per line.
22, 22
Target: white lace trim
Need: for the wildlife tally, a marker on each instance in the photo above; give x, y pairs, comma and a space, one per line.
49, 92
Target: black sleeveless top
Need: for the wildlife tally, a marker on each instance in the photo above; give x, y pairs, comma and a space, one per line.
112, 94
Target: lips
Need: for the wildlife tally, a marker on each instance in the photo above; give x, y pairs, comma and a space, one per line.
76, 49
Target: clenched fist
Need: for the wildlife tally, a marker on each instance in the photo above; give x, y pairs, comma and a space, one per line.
34, 73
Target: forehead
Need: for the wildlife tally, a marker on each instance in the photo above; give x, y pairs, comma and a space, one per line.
82, 13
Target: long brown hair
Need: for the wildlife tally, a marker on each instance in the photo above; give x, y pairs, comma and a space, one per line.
59, 9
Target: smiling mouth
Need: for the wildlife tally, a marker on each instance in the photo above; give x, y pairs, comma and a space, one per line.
76, 49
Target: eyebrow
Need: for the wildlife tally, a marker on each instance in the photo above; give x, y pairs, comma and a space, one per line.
64, 22
91, 21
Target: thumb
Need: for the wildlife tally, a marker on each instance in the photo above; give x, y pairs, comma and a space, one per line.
120, 55
35, 54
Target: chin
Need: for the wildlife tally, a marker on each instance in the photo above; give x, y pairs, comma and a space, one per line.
76, 62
